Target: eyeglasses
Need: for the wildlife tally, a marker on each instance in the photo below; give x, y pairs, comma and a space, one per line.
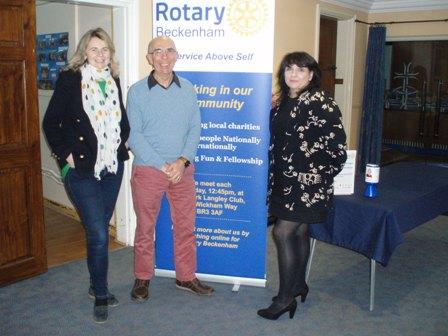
160, 52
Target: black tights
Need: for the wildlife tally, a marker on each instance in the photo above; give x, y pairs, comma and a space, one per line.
292, 240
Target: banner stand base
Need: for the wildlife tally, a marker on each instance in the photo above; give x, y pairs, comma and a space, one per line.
235, 281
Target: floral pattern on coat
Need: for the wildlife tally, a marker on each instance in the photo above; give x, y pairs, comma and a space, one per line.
307, 150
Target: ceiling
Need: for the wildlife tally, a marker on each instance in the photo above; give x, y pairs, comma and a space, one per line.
371, 6
382, 6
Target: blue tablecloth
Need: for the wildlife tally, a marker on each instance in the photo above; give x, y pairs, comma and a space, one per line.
409, 194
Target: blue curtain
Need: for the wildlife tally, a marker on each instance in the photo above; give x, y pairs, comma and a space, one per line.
373, 99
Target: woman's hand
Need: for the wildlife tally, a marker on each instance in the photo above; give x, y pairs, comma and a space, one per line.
70, 161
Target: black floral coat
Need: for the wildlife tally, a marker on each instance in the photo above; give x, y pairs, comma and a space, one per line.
307, 150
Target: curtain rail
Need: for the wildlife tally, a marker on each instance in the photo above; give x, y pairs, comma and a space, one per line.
398, 22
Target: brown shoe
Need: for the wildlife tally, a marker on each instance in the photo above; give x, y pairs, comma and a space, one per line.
195, 286
140, 291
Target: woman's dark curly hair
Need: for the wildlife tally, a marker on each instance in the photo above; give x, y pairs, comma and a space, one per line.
301, 59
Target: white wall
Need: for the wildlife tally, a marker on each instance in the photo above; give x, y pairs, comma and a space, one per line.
76, 20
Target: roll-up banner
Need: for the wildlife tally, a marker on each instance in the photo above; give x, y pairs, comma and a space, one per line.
226, 50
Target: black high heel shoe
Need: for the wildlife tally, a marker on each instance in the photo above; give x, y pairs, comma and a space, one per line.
303, 292
273, 312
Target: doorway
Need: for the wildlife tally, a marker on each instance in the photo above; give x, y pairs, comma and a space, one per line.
415, 123
65, 239
335, 44
327, 53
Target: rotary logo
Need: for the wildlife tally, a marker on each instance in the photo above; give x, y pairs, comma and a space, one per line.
247, 17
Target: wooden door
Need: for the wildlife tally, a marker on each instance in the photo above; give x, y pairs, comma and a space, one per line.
439, 131
327, 52
22, 239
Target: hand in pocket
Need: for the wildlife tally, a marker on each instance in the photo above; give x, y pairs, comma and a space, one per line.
70, 161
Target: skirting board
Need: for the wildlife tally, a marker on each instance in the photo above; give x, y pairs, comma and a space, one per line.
62, 209
70, 212
235, 281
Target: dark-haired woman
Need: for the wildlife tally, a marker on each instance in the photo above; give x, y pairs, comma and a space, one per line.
86, 127
308, 149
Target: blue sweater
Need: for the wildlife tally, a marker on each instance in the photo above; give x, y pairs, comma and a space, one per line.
165, 123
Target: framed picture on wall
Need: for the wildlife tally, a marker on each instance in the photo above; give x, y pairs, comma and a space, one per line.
51, 58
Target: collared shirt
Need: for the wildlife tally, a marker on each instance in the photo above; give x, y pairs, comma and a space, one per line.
152, 81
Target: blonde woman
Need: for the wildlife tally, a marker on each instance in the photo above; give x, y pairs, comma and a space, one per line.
87, 127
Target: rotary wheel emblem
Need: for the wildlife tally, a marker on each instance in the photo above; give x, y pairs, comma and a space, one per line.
247, 17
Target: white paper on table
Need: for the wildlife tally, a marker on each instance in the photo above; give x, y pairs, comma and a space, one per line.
344, 182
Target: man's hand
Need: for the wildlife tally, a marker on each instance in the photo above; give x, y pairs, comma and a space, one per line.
174, 170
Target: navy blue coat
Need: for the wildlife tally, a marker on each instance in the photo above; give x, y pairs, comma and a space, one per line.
68, 129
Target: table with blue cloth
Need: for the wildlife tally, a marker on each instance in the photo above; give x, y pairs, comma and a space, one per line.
409, 194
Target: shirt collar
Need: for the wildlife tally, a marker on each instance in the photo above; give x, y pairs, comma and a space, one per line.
153, 82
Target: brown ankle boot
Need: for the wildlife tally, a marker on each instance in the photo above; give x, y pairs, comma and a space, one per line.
140, 291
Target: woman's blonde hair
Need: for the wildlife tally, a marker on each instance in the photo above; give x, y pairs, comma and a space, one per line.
79, 58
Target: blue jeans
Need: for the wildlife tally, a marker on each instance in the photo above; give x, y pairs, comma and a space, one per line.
95, 202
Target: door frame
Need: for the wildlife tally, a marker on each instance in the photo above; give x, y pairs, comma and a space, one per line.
126, 37
345, 56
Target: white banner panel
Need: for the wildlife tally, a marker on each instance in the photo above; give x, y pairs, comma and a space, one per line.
232, 35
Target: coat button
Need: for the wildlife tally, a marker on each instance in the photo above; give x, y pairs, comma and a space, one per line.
81, 156
78, 121
81, 138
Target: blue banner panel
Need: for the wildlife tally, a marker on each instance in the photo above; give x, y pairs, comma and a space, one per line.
231, 176
225, 49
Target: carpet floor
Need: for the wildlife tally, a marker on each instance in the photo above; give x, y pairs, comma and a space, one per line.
411, 298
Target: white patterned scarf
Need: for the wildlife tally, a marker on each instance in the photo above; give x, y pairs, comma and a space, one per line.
105, 115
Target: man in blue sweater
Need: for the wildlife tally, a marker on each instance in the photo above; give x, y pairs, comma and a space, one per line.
165, 129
